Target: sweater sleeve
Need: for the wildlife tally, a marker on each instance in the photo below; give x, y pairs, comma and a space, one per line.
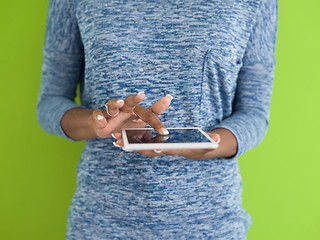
249, 120
62, 66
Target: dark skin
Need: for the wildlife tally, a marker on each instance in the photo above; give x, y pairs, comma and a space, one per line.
80, 124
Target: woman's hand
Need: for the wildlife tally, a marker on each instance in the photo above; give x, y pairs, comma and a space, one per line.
227, 147
80, 124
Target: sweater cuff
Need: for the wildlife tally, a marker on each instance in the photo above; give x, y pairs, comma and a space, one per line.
50, 112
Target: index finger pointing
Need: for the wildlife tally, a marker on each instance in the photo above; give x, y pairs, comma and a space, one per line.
151, 118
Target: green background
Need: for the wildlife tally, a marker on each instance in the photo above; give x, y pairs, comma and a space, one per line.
280, 177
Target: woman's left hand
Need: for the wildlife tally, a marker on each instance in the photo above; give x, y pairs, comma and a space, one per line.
227, 147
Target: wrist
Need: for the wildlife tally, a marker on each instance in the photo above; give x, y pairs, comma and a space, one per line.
228, 145
78, 124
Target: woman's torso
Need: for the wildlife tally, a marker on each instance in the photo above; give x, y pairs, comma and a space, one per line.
191, 50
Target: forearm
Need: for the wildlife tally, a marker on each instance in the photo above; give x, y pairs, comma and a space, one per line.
77, 123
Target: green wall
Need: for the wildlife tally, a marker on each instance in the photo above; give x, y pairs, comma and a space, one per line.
280, 177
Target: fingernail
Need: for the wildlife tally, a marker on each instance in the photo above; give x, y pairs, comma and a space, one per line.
140, 93
219, 140
157, 151
137, 120
99, 117
119, 101
116, 145
169, 96
164, 131
113, 136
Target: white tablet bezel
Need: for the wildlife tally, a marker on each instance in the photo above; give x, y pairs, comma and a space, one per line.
152, 146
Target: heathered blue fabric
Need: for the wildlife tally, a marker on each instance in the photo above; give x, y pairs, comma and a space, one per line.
217, 60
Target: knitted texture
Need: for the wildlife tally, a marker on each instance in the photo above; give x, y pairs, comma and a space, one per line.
216, 58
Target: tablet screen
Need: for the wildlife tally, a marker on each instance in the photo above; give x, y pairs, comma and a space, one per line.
174, 136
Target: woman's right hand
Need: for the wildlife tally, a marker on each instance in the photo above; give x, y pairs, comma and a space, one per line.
80, 124
129, 114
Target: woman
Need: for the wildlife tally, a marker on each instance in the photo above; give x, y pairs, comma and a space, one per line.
215, 57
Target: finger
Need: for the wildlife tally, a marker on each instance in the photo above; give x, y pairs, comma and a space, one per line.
100, 124
138, 120
113, 106
159, 139
150, 153
181, 152
118, 143
185, 152
115, 123
116, 135
100, 120
151, 118
194, 154
147, 136
131, 101
138, 133
215, 136
161, 105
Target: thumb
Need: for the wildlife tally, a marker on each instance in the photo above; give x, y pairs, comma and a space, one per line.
100, 124
215, 136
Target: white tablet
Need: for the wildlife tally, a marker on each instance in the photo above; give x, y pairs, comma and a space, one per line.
178, 138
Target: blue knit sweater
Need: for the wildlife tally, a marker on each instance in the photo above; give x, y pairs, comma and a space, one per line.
216, 58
